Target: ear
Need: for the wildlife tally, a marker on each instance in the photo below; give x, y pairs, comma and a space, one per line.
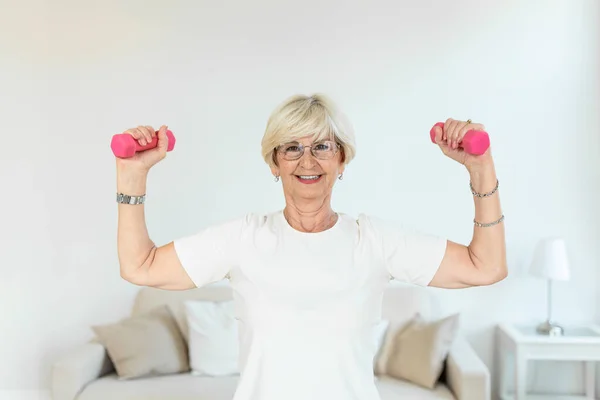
274, 167
342, 163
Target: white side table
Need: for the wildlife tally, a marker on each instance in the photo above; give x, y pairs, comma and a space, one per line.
577, 344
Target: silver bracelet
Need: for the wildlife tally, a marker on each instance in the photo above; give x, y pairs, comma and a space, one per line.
488, 224
484, 194
127, 199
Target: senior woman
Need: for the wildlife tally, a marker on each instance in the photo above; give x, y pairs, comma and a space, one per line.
308, 280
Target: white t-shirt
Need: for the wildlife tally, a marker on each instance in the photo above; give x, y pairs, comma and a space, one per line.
307, 303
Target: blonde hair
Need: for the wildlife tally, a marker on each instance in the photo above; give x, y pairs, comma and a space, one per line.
300, 116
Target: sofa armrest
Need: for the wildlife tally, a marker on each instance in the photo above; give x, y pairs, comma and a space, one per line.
466, 374
73, 371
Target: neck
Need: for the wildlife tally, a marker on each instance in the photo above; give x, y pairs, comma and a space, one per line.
310, 217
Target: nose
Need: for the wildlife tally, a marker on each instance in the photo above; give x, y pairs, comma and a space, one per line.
307, 160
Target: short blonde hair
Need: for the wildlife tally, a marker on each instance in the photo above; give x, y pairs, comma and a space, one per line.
300, 116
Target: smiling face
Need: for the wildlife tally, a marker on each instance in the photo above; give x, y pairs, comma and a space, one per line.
315, 123
311, 176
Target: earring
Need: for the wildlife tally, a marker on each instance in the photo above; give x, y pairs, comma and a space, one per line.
277, 178
341, 176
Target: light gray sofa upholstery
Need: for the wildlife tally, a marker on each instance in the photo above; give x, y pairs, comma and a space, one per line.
86, 373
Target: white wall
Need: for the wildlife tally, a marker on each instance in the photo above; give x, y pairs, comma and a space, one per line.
74, 73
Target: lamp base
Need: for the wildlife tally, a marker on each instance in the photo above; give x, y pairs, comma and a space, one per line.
550, 329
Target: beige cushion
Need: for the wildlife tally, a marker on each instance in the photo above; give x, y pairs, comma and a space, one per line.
393, 329
145, 345
419, 351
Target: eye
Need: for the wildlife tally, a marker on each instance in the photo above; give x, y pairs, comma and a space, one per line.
291, 147
323, 146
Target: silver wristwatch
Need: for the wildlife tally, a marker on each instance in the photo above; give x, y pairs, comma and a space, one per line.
127, 199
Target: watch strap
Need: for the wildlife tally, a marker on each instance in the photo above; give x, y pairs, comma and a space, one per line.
128, 199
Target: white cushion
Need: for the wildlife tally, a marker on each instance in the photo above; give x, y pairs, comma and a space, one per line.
379, 332
213, 337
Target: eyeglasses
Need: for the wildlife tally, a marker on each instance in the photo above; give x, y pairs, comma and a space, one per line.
322, 150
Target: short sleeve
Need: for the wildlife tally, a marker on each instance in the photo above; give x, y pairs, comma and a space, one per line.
409, 255
208, 255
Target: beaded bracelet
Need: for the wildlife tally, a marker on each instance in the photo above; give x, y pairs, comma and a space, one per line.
486, 225
484, 194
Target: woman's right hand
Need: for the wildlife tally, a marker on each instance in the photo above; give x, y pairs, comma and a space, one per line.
142, 161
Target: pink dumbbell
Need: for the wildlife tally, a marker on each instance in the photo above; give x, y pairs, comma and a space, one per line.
124, 145
474, 142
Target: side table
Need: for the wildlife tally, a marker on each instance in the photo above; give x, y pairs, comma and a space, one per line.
524, 343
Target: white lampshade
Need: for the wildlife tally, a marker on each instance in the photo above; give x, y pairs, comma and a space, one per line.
550, 260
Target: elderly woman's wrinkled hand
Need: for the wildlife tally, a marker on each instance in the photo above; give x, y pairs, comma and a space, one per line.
449, 138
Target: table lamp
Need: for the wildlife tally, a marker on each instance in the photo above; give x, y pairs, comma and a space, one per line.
550, 262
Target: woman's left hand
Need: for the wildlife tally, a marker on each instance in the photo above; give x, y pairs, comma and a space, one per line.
449, 138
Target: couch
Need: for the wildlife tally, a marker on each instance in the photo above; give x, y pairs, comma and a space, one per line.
86, 372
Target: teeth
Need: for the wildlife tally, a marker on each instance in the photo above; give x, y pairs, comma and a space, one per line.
309, 176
